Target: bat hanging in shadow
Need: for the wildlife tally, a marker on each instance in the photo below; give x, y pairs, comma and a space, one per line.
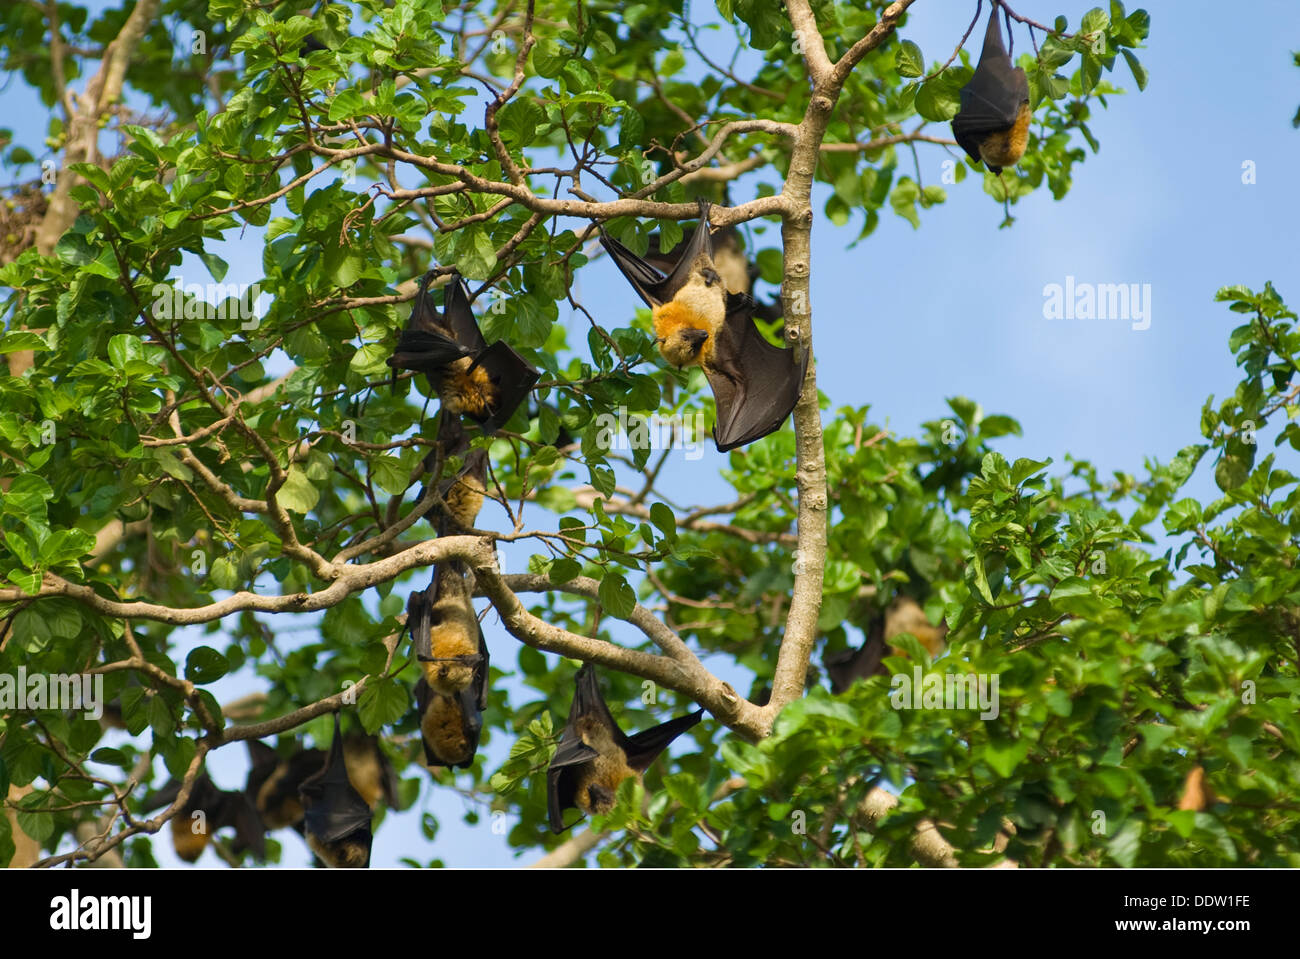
485, 383
273, 781
336, 819
594, 756
904, 615
464, 492
452, 691
993, 122
191, 836
698, 322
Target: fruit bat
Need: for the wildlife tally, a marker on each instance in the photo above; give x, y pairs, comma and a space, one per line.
336, 818
698, 322
993, 122
190, 836
463, 493
450, 726
738, 272
594, 756
369, 770
273, 782
445, 631
904, 615
472, 379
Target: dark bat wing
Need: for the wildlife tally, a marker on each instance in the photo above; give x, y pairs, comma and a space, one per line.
513, 378
650, 283
419, 619
263, 761
427, 344
572, 752
755, 384
334, 809
991, 100
645, 747
459, 318
847, 667
238, 812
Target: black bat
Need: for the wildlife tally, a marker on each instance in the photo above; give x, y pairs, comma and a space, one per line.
462, 493
450, 726
445, 631
993, 122
699, 322
336, 818
273, 782
485, 383
904, 615
594, 756
191, 836
369, 770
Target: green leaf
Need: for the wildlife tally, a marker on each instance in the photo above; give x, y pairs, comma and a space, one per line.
205, 665
616, 596
908, 61
297, 494
381, 703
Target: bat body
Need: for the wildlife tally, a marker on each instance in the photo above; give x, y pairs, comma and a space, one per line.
190, 836
445, 631
904, 615
463, 493
594, 756
471, 379
698, 321
993, 122
273, 783
369, 770
451, 693
336, 818
450, 726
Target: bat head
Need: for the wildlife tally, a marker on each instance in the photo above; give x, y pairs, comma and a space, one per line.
683, 346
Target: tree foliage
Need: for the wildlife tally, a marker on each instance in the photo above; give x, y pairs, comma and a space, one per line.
170, 462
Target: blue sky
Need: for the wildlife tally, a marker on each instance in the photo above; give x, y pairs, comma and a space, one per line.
910, 317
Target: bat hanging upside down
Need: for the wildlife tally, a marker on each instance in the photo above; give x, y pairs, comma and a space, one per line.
594, 756
336, 817
218, 808
993, 122
485, 383
453, 690
698, 322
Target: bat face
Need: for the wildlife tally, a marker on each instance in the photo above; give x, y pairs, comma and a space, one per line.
594, 756
337, 818
993, 122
